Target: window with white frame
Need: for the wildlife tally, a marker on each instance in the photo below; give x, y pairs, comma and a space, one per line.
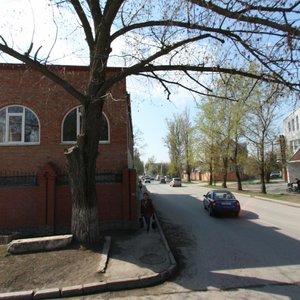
18, 125
72, 123
289, 126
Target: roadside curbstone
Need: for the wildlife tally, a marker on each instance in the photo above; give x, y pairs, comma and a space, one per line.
150, 280
121, 284
22, 295
69, 291
47, 293
94, 287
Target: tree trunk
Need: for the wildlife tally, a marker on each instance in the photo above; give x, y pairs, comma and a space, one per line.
262, 167
238, 176
210, 173
237, 172
81, 166
225, 165
84, 222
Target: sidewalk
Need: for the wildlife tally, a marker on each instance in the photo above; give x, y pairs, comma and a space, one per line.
133, 260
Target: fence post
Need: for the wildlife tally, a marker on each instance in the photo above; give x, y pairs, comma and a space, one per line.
47, 195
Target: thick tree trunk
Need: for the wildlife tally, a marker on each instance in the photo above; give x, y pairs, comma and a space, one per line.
84, 222
81, 165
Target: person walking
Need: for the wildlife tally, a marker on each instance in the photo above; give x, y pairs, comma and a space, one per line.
147, 210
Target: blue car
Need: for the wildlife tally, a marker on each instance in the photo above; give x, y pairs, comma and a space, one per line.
221, 202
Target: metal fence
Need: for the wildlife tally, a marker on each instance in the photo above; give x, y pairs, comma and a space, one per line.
63, 179
18, 179
30, 179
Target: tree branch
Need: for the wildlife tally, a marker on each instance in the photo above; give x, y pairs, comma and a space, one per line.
85, 24
248, 19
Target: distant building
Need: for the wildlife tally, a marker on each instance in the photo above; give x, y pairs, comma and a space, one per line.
291, 131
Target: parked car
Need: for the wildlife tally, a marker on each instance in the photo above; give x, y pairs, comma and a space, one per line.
147, 179
275, 174
175, 182
168, 178
162, 180
221, 201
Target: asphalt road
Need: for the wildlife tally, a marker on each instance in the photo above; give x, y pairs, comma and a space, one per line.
255, 256
260, 249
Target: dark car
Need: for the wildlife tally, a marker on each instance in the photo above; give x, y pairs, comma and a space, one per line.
147, 179
220, 202
162, 180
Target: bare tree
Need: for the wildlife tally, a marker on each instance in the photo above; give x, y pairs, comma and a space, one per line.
259, 130
188, 38
175, 143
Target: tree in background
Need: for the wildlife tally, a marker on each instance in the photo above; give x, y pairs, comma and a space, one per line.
151, 166
138, 163
185, 39
207, 134
188, 141
260, 129
180, 142
175, 144
137, 148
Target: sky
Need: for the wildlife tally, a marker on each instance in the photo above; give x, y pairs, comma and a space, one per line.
20, 20
150, 110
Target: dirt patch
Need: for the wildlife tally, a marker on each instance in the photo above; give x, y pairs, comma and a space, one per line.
53, 269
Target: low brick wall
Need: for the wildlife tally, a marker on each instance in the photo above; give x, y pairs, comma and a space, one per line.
48, 205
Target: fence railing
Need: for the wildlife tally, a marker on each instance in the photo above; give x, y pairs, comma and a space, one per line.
100, 178
31, 179
18, 179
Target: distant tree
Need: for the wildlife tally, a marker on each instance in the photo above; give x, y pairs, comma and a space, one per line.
191, 38
151, 166
175, 144
188, 141
138, 147
259, 129
207, 134
138, 163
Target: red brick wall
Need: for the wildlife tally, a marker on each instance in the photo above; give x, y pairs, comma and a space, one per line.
22, 86
34, 207
29, 206
18, 207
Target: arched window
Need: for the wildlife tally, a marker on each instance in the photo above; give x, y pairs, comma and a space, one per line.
18, 125
71, 127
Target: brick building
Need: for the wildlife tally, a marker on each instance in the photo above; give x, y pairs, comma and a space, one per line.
38, 120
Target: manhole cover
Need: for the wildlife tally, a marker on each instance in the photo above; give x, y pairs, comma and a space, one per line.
152, 259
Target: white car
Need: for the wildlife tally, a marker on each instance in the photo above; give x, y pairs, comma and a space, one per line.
175, 182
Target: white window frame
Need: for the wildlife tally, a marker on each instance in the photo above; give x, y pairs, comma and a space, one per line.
8, 115
78, 115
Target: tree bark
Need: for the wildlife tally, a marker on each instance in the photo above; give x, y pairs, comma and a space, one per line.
225, 165
81, 166
237, 171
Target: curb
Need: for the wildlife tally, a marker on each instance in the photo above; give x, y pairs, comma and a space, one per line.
103, 286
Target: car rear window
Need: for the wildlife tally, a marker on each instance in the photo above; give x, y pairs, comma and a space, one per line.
222, 195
